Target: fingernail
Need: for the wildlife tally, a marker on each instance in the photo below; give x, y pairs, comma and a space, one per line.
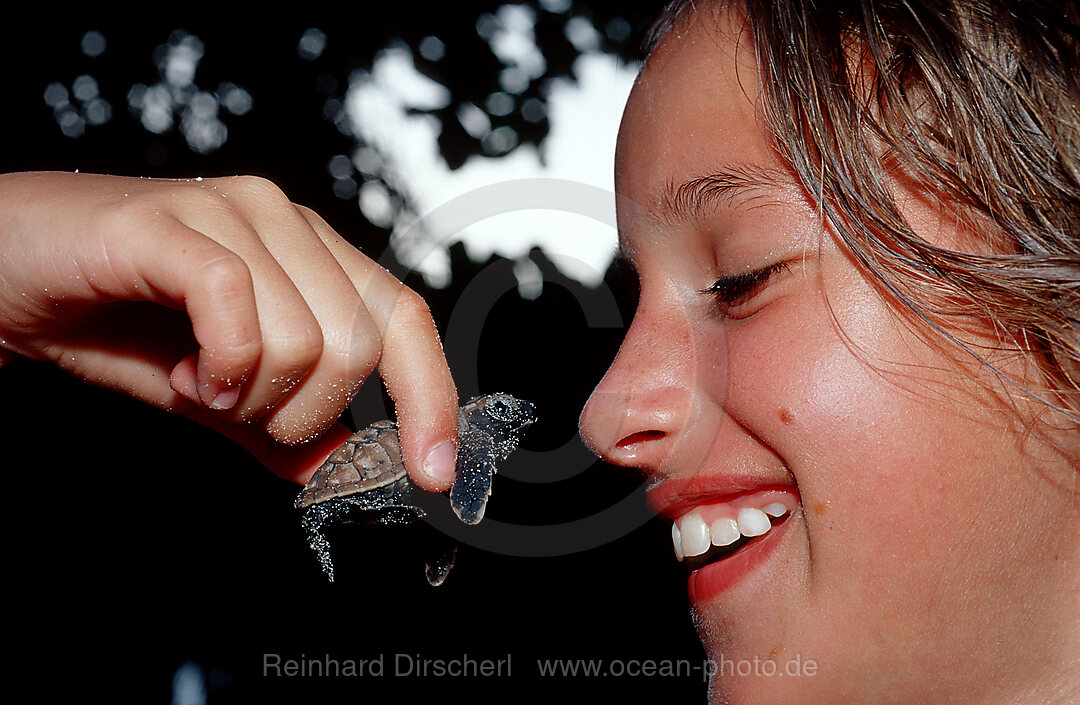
226, 400
441, 462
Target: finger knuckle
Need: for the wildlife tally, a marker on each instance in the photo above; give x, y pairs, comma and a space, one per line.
260, 189
300, 344
360, 345
227, 278
223, 271
123, 215
412, 306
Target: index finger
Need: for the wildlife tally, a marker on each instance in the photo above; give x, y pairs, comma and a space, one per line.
412, 365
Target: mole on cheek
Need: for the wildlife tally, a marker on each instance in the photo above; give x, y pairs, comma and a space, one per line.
786, 417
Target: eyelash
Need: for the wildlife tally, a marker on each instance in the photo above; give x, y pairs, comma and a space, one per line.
733, 290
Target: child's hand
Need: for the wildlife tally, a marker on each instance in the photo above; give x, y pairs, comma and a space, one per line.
109, 277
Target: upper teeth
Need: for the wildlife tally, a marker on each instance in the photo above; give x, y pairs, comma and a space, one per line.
692, 534
724, 531
753, 522
695, 535
775, 509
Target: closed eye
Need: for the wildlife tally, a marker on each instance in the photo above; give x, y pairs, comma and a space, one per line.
732, 291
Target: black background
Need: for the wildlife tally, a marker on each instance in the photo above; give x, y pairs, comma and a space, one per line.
139, 541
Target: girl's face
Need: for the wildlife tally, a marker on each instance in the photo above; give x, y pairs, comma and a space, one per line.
927, 545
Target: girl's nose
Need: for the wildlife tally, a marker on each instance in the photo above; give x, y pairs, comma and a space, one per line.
640, 412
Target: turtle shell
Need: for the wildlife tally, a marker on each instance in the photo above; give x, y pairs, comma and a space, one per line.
369, 459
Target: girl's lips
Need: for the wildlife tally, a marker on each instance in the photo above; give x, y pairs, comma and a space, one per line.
674, 497
717, 577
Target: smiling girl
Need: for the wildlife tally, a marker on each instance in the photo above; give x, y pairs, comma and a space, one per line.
851, 376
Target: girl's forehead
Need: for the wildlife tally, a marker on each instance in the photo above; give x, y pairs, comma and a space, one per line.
694, 65
693, 114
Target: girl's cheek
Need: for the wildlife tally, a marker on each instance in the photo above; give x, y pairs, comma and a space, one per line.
805, 377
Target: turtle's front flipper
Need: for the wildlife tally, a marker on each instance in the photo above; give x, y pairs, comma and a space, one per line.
472, 485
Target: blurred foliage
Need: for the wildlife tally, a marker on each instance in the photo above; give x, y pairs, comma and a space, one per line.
471, 70
294, 125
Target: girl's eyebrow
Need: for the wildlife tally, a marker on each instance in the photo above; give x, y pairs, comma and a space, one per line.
684, 202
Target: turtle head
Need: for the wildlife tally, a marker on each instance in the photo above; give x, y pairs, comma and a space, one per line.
499, 414
489, 428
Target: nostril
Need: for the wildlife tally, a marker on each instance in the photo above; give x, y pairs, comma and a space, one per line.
639, 437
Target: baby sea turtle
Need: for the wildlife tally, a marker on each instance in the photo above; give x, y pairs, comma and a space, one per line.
366, 473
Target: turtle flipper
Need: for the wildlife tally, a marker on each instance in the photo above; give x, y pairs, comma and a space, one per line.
313, 520
439, 563
472, 485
